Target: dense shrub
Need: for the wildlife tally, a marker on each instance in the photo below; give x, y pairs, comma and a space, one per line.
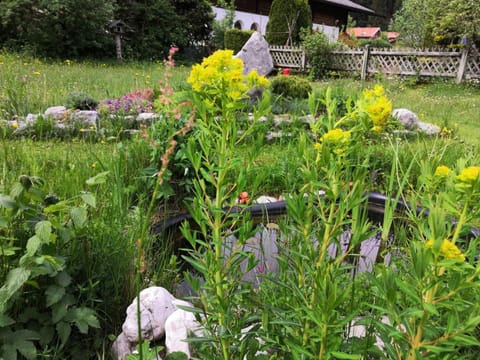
375, 43
80, 101
291, 86
285, 13
235, 39
318, 50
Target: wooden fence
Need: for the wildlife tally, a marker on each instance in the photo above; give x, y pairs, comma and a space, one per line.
458, 64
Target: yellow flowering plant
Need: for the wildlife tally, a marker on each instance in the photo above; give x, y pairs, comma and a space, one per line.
220, 81
377, 106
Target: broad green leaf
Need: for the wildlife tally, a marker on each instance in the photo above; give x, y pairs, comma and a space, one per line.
100, 178
15, 280
7, 202
6, 320
43, 230
3, 222
26, 348
9, 352
33, 245
79, 216
342, 355
83, 318
63, 329
89, 199
54, 294
59, 311
59, 206
63, 279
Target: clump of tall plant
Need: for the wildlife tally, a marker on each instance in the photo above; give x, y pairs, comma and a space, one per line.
219, 89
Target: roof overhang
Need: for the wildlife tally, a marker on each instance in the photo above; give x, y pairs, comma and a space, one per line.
349, 5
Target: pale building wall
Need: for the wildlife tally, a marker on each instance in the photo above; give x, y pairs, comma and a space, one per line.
246, 20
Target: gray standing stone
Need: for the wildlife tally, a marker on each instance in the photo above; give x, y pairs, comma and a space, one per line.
255, 55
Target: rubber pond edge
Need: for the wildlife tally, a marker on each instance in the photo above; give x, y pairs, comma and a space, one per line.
375, 201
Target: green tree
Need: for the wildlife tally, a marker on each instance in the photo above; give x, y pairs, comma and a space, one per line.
425, 22
155, 25
453, 20
197, 19
286, 20
67, 28
411, 21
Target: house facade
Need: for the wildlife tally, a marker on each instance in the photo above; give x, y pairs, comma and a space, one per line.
328, 16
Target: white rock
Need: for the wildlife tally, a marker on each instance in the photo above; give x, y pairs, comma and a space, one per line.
265, 199
407, 118
429, 129
31, 118
178, 327
146, 117
57, 112
89, 117
122, 347
156, 305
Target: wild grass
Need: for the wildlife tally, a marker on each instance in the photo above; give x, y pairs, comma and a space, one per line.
440, 102
31, 85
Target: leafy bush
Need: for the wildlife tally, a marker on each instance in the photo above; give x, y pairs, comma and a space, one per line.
284, 13
40, 307
318, 50
235, 39
375, 43
80, 101
291, 86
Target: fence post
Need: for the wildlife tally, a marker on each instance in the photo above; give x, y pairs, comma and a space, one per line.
366, 53
462, 66
303, 60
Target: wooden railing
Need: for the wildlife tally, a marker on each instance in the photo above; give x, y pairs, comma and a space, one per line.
458, 64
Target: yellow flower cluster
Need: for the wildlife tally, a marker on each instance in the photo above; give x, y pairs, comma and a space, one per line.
336, 139
377, 106
448, 249
469, 175
442, 171
221, 74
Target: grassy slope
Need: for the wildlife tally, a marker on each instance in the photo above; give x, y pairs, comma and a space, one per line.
442, 103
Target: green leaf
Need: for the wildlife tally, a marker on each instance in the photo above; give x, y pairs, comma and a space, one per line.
7, 202
43, 229
54, 294
33, 245
89, 199
63, 279
342, 355
6, 320
100, 178
9, 352
3, 222
177, 355
79, 217
27, 349
63, 329
15, 280
59, 206
83, 318
59, 311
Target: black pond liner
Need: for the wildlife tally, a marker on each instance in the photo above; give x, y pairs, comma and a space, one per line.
376, 203
265, 242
